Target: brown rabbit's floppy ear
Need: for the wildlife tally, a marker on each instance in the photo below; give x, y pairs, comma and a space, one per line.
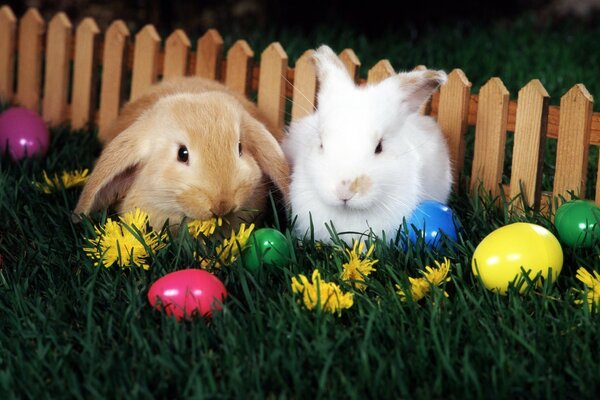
419, 85
113, 174
266, 151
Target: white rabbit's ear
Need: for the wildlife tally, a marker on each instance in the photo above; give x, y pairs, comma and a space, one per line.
330, 69
113, 174
419, 85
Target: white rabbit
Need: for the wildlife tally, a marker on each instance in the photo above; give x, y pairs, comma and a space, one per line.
366, 157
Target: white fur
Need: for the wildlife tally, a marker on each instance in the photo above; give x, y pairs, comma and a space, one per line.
349, 122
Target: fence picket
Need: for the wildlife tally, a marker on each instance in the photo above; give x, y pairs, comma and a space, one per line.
573, 140
177, 49
56, 80
272, 83
352, 63
528, 148
209, 55
380, 71
83, 73
490, 137
453, 111
31, 30
239, 67
113, 68
8, 28
145, 60
305, 86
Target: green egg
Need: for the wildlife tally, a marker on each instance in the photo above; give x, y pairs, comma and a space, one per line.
267, 245
577, 223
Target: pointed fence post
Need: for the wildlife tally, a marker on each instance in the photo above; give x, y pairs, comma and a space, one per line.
145, 61
305, 86
83, 73
383, 69
8, 31
351, 62
490, 137
56, 80
209, 55
239, 67
113, 68
453, 114
272, 83
573, 139
530, 138
31, 31
177, 48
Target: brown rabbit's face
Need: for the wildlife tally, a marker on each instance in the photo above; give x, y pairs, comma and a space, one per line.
199, 166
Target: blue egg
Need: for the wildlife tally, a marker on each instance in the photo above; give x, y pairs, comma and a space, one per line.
429, 220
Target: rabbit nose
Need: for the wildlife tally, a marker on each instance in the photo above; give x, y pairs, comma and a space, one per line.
221, 208
347, 188
344, 191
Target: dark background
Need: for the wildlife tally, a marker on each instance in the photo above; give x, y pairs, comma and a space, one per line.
372, 18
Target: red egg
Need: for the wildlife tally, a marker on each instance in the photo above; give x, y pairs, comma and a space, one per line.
187, 292
24, 133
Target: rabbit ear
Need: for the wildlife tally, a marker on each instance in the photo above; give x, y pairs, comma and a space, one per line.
419, 85
115, 171
257, 140
330, 69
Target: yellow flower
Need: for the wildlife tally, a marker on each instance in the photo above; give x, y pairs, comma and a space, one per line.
420, 287
66, 180
205, 228
228, 251
355, 270
119, 241
592, 282
328, 296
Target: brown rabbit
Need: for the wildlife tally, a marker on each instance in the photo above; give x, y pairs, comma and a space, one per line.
188, 148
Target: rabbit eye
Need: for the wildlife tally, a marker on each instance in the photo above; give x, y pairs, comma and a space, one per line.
183, 154
379, 148
240, 148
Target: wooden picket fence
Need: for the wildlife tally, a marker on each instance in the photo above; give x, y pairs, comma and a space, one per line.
95, 69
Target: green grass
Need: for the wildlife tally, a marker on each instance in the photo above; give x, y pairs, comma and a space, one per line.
68, 329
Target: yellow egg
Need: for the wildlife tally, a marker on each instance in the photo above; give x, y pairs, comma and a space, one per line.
501, 254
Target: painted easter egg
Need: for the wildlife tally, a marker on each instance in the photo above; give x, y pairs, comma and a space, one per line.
429, 220
187, 292
23, 132
499, 257
577, 223
268, 245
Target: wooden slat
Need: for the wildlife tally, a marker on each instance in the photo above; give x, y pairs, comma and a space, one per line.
239, 59
177, 48
113, 67
271, 83
528, 148
209, 55
8, 28
452, 117
145, 60
573, 141
56, 80
305, 86
352, 63
490, 137
383, 69
31, 30
83, 73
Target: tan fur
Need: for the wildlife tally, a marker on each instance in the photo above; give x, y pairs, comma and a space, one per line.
139, 167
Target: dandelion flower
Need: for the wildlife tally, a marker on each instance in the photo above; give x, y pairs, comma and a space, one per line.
592, 297
119, 241
420, 287
66, 180
355, 270
229, 250
326, 295
204, 228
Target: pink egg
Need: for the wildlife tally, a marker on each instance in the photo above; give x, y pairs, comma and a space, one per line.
187, 292
25, 133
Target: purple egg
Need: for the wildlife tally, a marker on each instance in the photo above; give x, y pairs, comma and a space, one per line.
24, 132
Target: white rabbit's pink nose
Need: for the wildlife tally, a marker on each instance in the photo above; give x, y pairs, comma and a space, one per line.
348, 188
